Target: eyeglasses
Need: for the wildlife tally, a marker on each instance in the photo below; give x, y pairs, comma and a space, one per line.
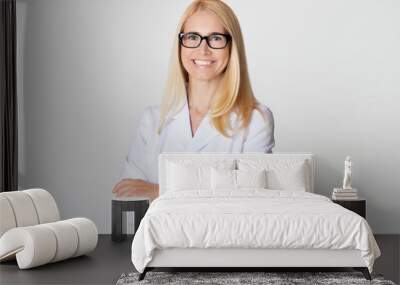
214, 41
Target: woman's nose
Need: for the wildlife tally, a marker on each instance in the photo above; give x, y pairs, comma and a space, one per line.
204, 47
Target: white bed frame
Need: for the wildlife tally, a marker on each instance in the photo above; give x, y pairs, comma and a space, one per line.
251, 257
241, 258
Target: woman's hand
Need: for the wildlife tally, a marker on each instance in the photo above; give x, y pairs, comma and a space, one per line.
136, 187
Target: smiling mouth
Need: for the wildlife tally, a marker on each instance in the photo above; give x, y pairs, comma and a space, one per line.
203, 62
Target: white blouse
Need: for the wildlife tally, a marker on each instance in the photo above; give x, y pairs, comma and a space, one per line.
142, 159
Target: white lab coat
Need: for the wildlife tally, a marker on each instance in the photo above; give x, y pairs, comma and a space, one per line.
142, 160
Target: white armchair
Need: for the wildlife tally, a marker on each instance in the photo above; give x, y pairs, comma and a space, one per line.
31, 231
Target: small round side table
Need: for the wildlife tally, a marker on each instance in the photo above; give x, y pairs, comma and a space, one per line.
139, 205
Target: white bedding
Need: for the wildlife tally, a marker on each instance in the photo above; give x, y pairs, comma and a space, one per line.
251, 218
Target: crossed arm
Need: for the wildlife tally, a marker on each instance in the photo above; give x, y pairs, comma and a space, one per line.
136, 187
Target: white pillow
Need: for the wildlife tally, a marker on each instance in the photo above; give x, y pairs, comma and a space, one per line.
294, 178
223, 179
236, 179
251, 178
187, 177
287, 174
193, 174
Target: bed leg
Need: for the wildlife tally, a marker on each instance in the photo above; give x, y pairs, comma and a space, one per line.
143, 274
364, 271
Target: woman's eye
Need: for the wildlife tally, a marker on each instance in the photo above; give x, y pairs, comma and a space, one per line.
192, 37
216, 38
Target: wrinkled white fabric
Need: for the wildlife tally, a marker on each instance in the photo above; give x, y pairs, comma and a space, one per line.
251, 218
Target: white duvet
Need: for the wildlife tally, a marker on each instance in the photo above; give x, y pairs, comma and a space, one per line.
251, 218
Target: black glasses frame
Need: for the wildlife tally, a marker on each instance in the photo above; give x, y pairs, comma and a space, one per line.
228, 39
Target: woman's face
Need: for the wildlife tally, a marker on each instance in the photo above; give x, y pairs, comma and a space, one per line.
204, 63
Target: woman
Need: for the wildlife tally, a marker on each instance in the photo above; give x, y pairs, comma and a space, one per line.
208, 104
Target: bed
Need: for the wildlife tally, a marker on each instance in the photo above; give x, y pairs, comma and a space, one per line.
246, 210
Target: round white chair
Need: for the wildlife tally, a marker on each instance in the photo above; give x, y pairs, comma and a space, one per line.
31, 231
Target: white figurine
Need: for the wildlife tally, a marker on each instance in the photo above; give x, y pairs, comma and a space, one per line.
347, 173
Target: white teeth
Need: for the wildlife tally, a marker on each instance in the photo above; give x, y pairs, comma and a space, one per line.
202, 62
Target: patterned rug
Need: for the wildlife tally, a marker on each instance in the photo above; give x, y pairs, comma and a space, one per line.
269, 278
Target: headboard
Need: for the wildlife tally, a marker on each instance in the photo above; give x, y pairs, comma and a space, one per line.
192, 157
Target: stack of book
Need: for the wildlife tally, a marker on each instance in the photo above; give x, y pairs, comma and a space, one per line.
344, 194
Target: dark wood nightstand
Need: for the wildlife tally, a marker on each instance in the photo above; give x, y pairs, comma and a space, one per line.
358, 206
138, 205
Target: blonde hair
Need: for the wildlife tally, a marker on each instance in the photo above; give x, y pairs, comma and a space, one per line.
234, 93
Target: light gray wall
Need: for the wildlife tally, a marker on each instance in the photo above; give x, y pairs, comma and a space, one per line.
329, 70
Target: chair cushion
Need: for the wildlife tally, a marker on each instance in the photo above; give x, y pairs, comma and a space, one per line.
27, 208
45, 205
7, 215
24, 211
45, 243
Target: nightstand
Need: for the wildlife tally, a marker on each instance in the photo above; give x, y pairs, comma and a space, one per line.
138, 205
358, 206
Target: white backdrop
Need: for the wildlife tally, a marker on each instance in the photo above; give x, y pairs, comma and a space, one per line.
329, 71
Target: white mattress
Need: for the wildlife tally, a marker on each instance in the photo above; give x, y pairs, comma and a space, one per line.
252, 218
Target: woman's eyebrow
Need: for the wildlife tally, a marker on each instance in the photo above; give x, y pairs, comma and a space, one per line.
212, 33
192, 32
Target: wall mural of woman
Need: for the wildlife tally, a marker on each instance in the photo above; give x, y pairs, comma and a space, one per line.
208, 105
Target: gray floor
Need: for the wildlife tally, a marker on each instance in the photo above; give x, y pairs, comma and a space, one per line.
110, 259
